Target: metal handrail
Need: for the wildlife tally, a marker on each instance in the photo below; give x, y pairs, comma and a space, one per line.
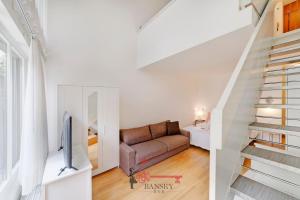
254, 7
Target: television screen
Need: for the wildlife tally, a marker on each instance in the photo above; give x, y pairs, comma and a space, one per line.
67, 139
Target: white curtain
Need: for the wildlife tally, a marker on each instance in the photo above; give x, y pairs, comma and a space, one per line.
34, 142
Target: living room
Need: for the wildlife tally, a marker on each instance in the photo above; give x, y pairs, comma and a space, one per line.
114, 99
170, 90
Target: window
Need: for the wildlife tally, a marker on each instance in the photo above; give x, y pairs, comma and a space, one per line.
11, 100
16, 72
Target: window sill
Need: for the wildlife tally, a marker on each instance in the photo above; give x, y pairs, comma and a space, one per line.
35, 195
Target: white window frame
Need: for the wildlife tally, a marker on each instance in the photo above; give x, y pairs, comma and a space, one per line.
10, 169
22, 81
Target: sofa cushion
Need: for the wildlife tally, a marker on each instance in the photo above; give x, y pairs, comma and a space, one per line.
173, 128
135, 135
173, 141
147, 150
159, 129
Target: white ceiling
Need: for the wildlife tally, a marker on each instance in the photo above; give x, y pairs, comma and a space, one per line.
143, 10
204, 69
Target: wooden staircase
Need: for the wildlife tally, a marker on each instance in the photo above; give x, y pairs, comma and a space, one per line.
270, 168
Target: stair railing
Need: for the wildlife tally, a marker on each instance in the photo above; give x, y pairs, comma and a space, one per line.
254, 7
235, 109
259, 11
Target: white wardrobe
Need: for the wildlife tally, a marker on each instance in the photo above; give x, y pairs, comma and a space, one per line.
95, 122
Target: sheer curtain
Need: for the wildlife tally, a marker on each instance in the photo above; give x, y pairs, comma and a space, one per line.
34, 142
3, 110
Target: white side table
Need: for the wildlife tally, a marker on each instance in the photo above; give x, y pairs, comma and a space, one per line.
200, 137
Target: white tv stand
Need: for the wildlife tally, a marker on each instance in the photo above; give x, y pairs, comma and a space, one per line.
71, 184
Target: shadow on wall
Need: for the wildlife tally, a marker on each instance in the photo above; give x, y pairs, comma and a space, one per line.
201, 72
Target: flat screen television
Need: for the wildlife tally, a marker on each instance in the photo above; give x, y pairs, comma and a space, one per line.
66, 143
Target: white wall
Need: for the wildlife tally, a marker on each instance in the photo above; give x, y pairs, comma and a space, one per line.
184, 24
209, 65
95, 44
144, 10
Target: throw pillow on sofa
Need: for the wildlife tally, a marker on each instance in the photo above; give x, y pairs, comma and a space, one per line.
135, 135
159, 129
173, 128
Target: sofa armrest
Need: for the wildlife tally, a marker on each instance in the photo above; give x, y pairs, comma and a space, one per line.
185, 133
127, 158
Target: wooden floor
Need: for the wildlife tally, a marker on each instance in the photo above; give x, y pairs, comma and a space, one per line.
192, 164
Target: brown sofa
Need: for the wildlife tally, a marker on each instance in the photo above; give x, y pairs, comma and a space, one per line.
145, 146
